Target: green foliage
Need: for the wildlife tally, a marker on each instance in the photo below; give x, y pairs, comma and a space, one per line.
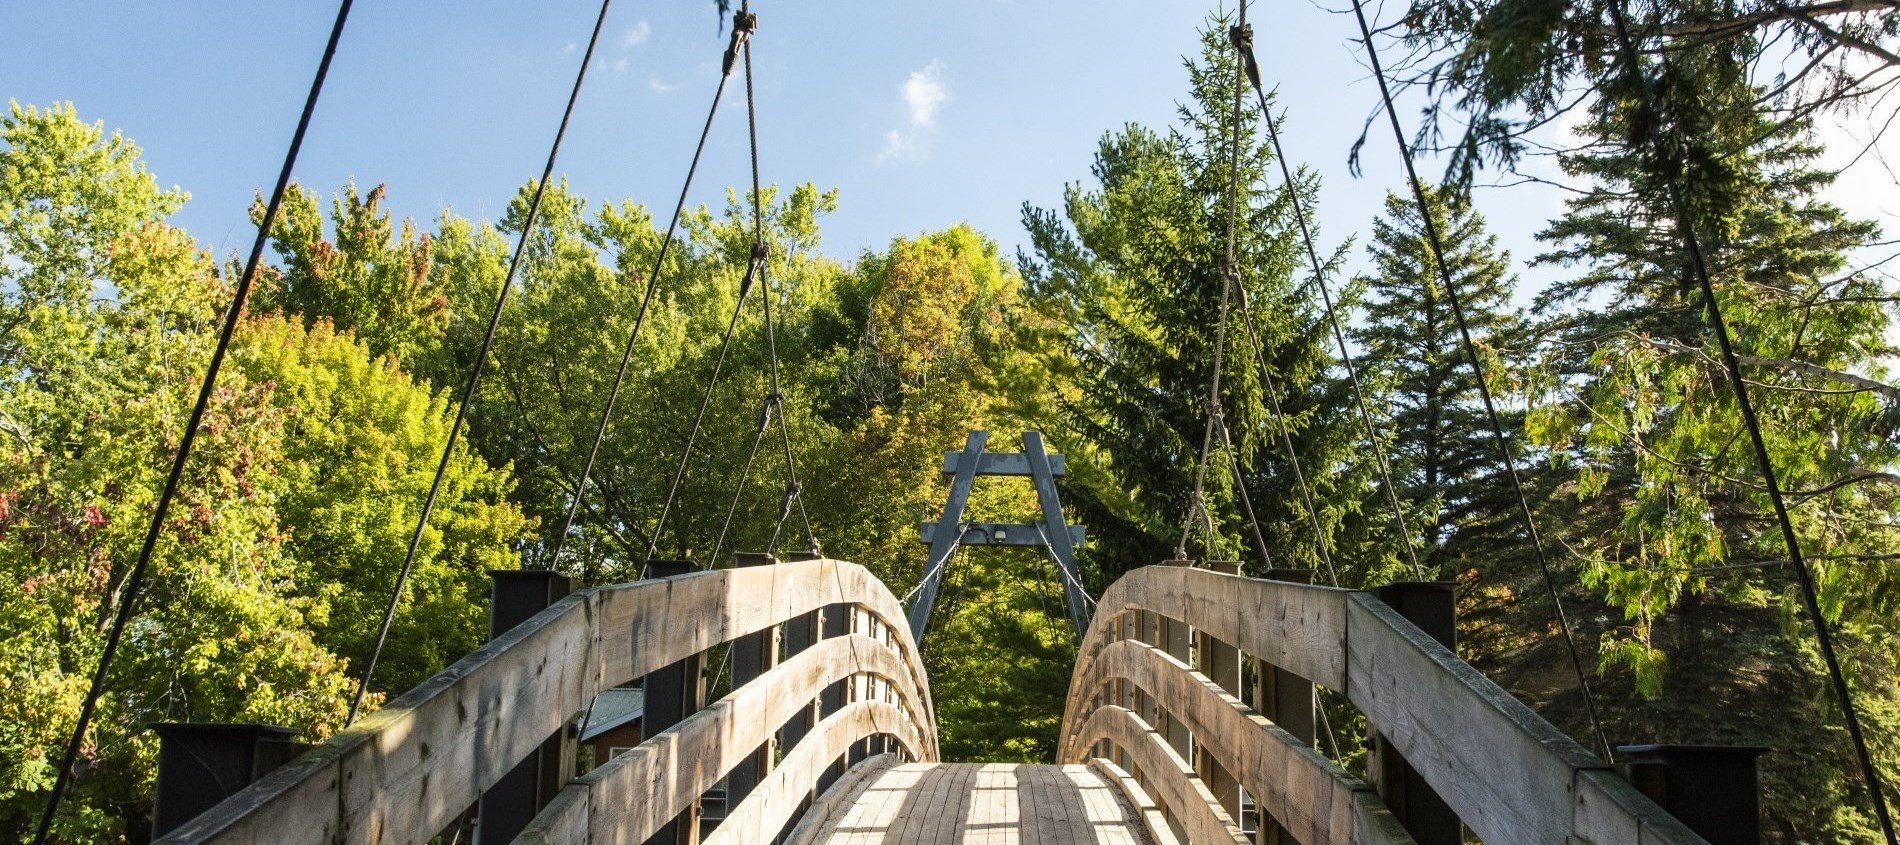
1130, 272
110, 316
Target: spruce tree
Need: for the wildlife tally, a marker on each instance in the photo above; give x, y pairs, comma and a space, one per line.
1132, 268
1444, 460
1673, 525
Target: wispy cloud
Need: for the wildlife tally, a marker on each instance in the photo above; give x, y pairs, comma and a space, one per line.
636, 35
659, 85
924, 93
620, 65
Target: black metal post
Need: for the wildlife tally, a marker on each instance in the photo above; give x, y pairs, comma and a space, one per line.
752, 656
674, 692
507, 807
1287, 700
1711, 788
1428, 605
201, 764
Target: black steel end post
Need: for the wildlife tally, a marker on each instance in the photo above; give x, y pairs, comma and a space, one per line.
1429, 605
1288, 701
674, 692
202, 763
506, 808
752, 655
834, 622
1712, 789
1220, 662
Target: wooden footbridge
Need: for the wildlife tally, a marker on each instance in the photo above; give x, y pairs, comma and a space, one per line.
1190, 718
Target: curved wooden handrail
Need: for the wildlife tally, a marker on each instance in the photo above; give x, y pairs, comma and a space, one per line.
1168, 776
1509, 775
633, 795
767, 810
1313, 798
406, 771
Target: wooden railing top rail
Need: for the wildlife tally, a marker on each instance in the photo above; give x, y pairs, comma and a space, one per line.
407, 770
1507, 773
631, 796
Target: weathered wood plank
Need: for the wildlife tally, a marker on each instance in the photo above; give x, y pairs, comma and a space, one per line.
1002, 463
839, 798
1507, 773
1170, 778
633, 795
1309, 795
404, 772
764, 813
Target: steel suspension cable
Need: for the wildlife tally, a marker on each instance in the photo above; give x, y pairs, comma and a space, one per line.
1437, 245
135, 580
741, 31
1286, 435
1718, 326
1242, 36
793, 491
475, 372
699, 419
1229, 273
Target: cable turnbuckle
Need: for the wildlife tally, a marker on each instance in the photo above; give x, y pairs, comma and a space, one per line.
743, 23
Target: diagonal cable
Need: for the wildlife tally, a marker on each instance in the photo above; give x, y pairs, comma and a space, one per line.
475, 373
741, 31
1719, 327
1242, 37
135, 580
1229, 274
793, 491
1484, 390
1286, 435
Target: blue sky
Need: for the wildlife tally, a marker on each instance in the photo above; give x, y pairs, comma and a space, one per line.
922, 114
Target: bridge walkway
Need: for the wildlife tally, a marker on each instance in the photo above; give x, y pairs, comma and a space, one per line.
978, 804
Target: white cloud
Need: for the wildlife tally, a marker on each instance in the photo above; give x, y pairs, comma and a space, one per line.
924, 93
571, 47
659, 85
636, 35
620, 65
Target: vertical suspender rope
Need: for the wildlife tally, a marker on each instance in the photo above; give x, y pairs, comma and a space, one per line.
1719, 327
793, 491
739, 34
475, 372
1229, 271
1242, 36
135, 580
1286, 434
1484, 391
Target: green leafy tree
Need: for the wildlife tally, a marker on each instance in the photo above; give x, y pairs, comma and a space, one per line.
367, 277
1676, 529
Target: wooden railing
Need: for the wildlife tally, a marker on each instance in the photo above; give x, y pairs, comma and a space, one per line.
413, 768
1508, 775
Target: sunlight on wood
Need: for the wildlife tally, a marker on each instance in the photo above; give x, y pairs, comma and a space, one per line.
985, 804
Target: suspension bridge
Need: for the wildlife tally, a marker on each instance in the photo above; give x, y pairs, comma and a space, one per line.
1192, 714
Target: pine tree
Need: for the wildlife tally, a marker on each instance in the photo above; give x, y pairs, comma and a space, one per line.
1672, 520
1444, 459
1132, 267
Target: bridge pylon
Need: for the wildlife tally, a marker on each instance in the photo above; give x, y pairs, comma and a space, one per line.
950, 531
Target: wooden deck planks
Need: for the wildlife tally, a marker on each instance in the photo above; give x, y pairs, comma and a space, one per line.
984, 804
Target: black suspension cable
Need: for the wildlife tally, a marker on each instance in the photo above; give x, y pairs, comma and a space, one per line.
745, 472
741, 31
793, 491
1484, 390
1719, 327
1242, 36
1246, 499
475, 373
705, 402
1229, 274
1286, 434
135, 580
